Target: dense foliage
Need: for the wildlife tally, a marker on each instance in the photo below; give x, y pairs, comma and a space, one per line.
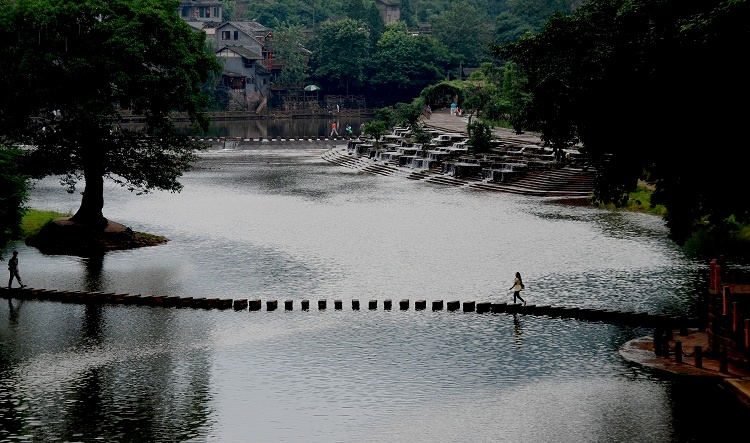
72, 70
652, 89
288, 50
354, 52
13, 195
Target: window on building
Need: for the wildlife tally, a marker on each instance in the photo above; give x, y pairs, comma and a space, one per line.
225, 35
216, 12
236, 35
208, 13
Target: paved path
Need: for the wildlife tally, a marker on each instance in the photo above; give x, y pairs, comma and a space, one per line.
444, 121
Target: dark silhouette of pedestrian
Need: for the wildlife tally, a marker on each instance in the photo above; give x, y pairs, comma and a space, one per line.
517, 288
13, 269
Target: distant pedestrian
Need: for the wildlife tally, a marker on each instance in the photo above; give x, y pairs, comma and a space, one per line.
13, 269
349, 130
453, 108
517, 288
362, 129
333, 130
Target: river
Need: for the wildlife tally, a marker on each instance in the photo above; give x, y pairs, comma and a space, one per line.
275, 221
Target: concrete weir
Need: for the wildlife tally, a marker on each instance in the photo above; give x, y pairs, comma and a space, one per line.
629, 318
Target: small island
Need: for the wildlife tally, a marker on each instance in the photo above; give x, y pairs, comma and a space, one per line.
65, 236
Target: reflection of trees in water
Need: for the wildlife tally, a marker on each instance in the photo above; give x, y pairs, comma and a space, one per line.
284, 128
86, 414
100, 403
93, 276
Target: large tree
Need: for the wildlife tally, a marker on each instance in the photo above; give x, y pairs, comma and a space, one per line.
404, 64
342, 53
651, 88
72, 70
466, 32
288, 46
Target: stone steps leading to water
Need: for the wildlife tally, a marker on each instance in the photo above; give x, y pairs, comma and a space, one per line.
564, 182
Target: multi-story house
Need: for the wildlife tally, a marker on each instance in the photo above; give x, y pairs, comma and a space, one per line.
241, 46
248, 62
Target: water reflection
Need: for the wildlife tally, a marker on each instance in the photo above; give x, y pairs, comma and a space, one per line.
280, 223
94, 263
517, 331
13, 312
285, 127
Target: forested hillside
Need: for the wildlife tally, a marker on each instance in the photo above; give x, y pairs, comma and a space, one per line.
355, 52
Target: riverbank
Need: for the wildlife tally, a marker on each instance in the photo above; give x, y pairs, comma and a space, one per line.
732, 375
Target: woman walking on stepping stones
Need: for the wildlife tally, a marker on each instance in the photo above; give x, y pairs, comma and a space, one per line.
517, 288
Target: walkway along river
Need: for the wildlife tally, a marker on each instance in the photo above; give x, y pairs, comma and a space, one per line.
277, 222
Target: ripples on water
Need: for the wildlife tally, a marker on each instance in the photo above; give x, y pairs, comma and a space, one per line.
281, 223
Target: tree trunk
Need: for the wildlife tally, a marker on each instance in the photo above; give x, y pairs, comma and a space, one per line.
92, 203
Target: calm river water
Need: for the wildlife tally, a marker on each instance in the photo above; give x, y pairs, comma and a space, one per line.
275, 221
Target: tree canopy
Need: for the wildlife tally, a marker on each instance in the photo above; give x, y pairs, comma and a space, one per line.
403, 63
343, 48
288, 46
13, 195
451, 35
652, 89
73, 70
465, 31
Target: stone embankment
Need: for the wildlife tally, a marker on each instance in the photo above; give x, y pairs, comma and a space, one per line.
560, 182
566, 182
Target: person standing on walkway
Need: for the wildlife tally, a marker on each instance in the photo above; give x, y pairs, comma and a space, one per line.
517, 288
13, 268
333, 130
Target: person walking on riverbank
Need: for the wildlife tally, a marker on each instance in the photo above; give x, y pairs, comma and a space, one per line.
333, 129
517, 288
13, 269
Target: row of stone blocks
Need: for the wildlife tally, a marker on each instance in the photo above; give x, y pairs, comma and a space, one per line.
603, 315
121, 298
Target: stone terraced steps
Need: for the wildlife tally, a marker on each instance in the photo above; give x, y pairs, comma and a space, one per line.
565, 182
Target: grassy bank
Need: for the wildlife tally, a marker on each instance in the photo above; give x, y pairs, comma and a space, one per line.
640, 201
708, 243
37, 231
34, 219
